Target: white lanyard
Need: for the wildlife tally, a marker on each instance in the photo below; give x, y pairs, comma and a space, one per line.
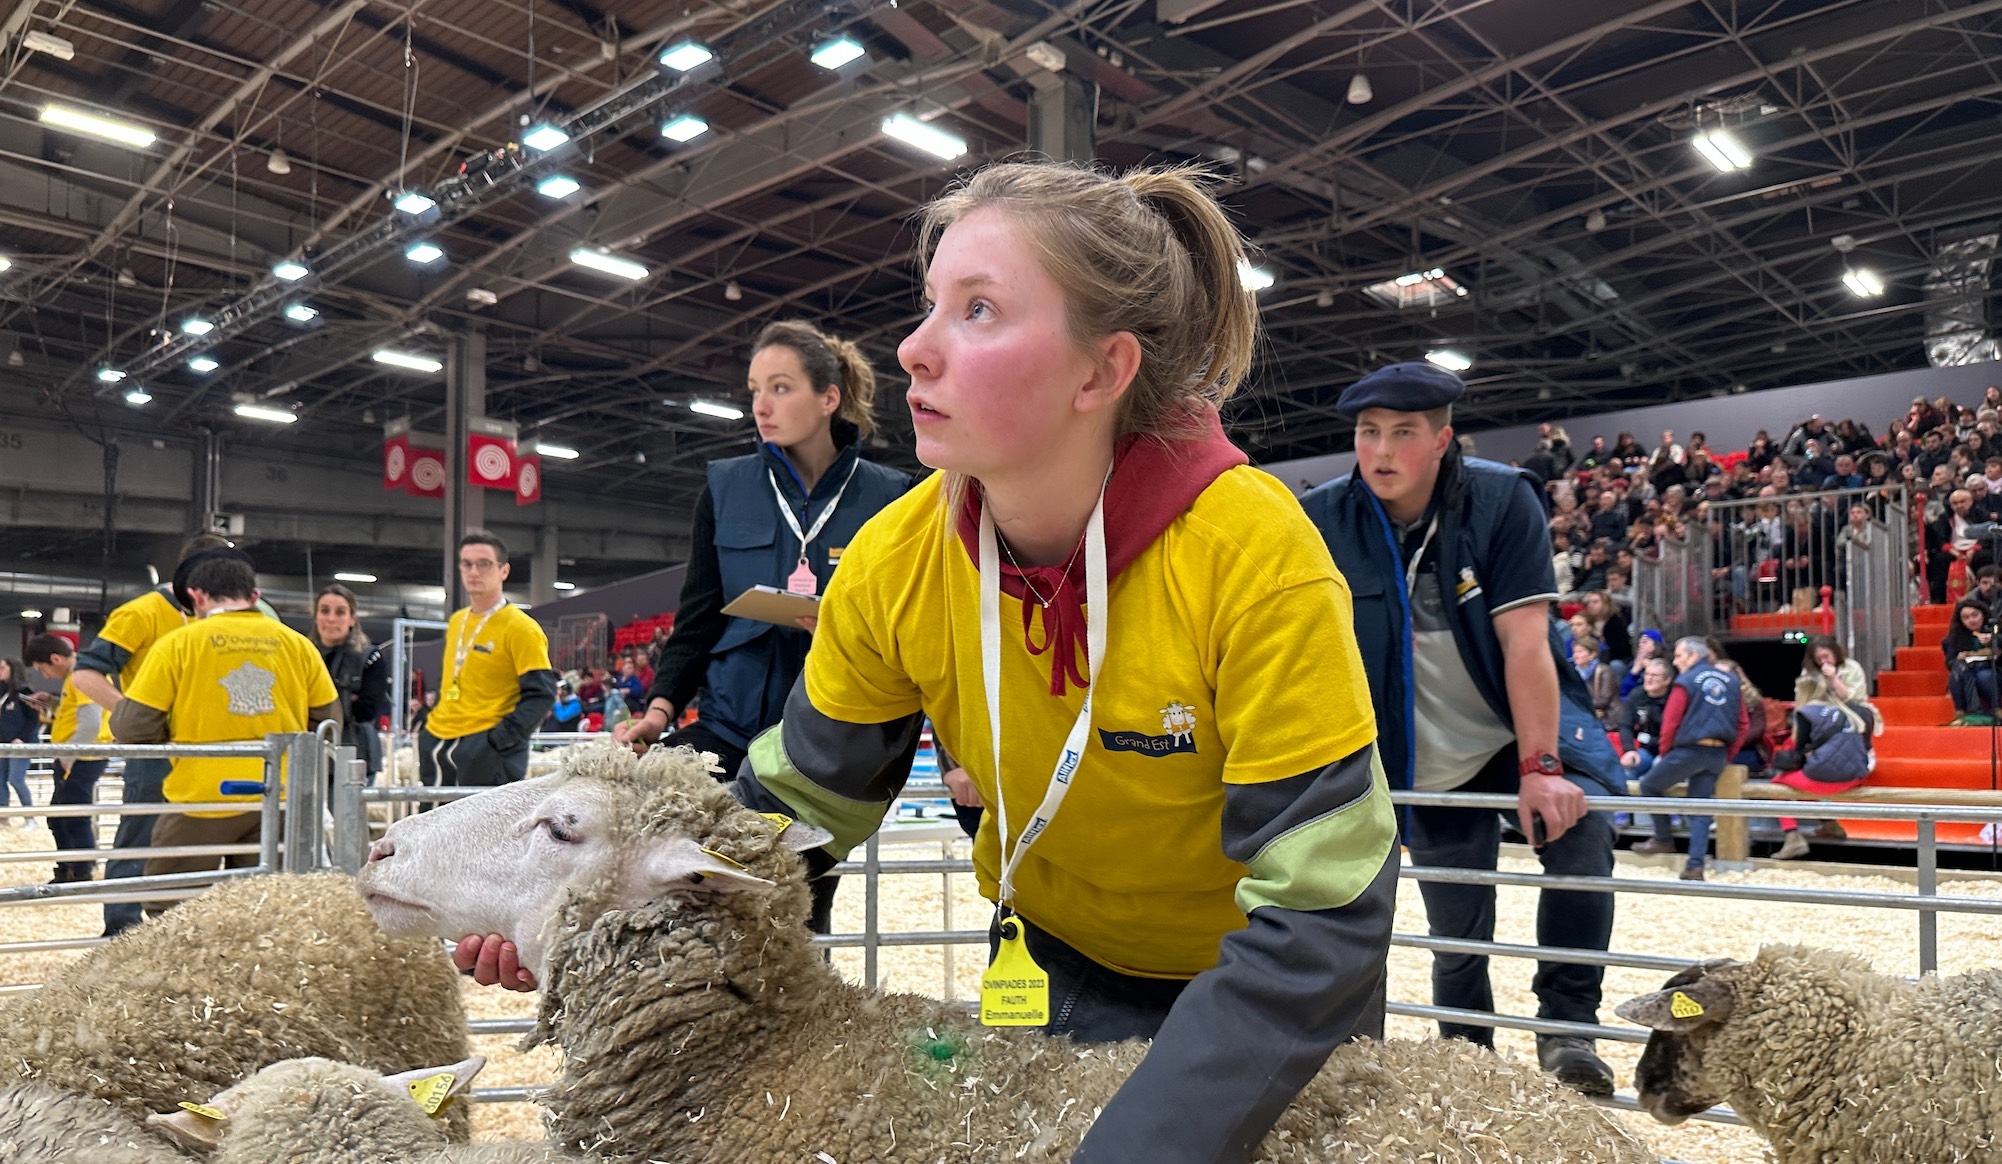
466, 641
819, 523
1096, 616
1417, 559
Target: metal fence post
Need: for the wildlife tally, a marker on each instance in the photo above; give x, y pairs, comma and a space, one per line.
1928, 887
872, 874
305, 769
269, 837
349, 844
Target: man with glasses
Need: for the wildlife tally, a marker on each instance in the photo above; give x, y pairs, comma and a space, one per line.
496, 683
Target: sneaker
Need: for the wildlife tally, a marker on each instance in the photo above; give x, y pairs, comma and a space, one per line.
1692, 873
1651, 845
1794, 846
1572, 1061
1830, 830
1622, 819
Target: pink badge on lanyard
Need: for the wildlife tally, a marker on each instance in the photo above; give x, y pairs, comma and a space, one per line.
802, 581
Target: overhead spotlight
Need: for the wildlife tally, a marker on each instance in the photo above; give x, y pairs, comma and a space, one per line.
732, 292
639, 456
269, 415
36, 41
424, 254
5, 263
1863, 281
109, 129
408, 361
558, 186
353, 576
1448, 359
722, 411
482, 297
415, 202
1843, 243
686, 56
1595, 221
301, 313
291, 270
109, 375
836, 53
138, 397
687, 127
204, 364
14, 358
1722, 150
1360, 92
544, 138
31, 614
531, 363
610, 264
278, 162
1324, 300
929, 138
1252, 278
196, 326
559, 452
126, 278
563, 585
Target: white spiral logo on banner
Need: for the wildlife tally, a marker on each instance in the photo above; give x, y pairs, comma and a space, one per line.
491, 463
395, 463
428, 474
528, 482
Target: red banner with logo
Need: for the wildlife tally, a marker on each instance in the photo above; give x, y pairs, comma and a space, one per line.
427, 473
490, 461
528, 479
396, 454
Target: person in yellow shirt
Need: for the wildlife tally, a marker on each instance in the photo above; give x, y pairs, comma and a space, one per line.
1134, 644
230, 675
77, 719
496, 683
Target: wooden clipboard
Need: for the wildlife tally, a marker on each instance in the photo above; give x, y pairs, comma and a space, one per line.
770, 604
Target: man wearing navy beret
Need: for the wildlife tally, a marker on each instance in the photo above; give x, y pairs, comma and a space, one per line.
1448, 558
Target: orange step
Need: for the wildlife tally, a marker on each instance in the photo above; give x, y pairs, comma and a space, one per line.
1940, 743
1922, 658
1936, 612
1932, 772
1897, 683
1948, 833
1916, 710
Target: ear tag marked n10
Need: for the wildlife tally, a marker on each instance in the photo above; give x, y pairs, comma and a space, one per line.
1014, 991
1684, 1007
432, 1091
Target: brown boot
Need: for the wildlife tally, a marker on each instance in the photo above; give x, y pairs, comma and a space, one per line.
1692, 873
1650, 845
1794, 846
1830, 830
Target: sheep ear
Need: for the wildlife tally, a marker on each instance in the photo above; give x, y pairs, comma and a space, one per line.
797, 835
432, 1088
679, 863
1680, 1009
195, 1131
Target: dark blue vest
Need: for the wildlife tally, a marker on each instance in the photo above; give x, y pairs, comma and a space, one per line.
1714, 702
753, 666
1835, 751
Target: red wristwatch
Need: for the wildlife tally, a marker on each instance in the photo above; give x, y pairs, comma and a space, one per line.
1544, 764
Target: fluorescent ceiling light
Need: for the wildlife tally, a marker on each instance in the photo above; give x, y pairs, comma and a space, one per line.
558, 186
930, 139
563, 585
684, 128
608, 263
31, 614
424, 253
301, 313
194, 326
685, 56
259, 412
414, 202
1450, 360
110, 129
352, 576
291, 270
558, 451
721, 410
1253, 278
836, 53
406, 360
109, 375
204, 364
5, 262
1722, 150
136, 397
544, 138
1863, 281
37, 41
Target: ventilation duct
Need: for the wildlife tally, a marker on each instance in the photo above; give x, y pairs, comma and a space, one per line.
1957, 303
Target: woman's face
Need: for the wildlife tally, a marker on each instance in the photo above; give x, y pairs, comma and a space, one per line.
1972, 618
6, 671
783, 401
1580, 625
1580, 654
1643, 650
1823, 657
996, 382
1595, 605
333, 618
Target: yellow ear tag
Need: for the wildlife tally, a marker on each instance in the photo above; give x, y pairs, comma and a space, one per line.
734, 864
780, 821
1014, 991
1684, 1007
205, 1111
432, 1091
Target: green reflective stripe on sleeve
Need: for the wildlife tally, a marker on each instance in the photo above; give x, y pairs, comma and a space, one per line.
851, 821
1327, 862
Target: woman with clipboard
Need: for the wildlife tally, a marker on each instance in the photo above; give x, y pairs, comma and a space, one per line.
778, 519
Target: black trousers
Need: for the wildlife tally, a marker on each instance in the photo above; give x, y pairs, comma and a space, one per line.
76, 783
467, 761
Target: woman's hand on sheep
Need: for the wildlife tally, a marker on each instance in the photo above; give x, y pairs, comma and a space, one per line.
963, 791
1556, 800
494, 962
641, 730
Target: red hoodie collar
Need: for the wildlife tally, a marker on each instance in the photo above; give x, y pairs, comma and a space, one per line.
1154, 481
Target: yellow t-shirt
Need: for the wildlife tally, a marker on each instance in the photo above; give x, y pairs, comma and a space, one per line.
137, 626
1231, 659
74, 705
508, 646
232, 676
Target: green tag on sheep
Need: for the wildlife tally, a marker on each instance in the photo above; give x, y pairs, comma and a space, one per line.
432, 1091
1014, 992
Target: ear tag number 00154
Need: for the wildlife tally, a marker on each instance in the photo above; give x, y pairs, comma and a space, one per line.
1014, 991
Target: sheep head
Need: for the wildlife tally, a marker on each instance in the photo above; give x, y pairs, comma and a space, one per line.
611, 831
308, 1093
1682, 1017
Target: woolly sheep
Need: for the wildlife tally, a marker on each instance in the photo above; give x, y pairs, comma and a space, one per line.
317, 1111
667, 925
42, 1124
251, 972
1829, 1060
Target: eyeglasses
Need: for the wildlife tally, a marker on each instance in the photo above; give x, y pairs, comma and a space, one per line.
478, 566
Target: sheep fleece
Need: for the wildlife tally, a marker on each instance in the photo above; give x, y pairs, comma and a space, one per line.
249, 973
40, 1124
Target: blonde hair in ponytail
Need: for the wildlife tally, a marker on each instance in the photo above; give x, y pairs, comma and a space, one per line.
829, 362
1150, 253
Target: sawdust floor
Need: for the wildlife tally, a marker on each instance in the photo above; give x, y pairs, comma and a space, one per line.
1676, 927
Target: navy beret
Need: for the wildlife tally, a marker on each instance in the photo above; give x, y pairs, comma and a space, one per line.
1413, 386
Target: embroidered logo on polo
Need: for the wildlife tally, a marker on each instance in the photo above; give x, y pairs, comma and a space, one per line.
1178, 727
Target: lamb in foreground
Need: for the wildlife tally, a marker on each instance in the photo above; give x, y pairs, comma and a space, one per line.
1831, 1061
251, 972
667, 925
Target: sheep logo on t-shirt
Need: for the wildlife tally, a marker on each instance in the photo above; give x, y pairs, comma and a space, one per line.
249, 688
1178, 719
